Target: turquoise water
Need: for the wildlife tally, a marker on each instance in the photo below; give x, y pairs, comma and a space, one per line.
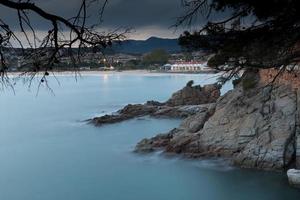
48, 153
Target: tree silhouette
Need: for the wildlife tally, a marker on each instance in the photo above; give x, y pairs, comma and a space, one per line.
245, 34
65, 37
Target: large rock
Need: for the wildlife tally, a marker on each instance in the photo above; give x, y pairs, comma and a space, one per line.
155, 143
183, 107
195, 95
139, 110
294, 177
195, 122
175, 140
254, 126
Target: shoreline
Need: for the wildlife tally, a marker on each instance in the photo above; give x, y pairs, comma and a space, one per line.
100, 73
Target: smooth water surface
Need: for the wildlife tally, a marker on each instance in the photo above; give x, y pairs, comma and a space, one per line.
47, 152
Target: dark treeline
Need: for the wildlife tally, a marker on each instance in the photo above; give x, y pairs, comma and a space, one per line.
253, 34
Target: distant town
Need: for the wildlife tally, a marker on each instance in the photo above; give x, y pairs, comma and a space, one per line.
154, 54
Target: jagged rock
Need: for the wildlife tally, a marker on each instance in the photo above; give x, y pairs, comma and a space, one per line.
180, 111
196, 122
255, 127
195, 95
154, 103
258, 139
157, 109
128, 112
155, 143
175, 140
137, 110
294, 177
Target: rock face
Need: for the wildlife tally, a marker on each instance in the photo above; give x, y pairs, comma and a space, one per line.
294, 177
177, 137
254, 127
297, 135
183, 107
195, 95
298, 150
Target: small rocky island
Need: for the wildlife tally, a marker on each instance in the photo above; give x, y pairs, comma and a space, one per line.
255, 125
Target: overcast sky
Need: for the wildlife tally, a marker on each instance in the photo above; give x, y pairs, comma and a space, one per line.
147, 17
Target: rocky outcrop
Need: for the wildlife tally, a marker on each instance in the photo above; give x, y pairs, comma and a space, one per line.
254, 126
128, 112
139, 110
195, 95
294, 177
183, 107
174, 140
156, 143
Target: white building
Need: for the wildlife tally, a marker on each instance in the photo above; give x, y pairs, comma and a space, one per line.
192, 66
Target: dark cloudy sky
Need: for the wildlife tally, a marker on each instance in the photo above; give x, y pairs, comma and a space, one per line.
147, 17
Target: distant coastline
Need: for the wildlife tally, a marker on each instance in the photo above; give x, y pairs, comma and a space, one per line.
98, 72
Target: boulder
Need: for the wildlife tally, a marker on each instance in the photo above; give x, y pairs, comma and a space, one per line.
294, 177
195, 95
195, 122
155, 143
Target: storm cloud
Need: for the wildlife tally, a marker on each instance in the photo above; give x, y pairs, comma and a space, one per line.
146, 17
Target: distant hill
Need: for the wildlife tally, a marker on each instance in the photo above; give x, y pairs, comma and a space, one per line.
133, 46
145, 46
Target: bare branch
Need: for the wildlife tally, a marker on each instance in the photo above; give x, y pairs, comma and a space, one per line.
46, 53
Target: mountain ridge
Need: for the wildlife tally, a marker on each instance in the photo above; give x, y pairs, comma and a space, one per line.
132, 46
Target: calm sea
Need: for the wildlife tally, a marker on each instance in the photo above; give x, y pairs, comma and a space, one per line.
48, 153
